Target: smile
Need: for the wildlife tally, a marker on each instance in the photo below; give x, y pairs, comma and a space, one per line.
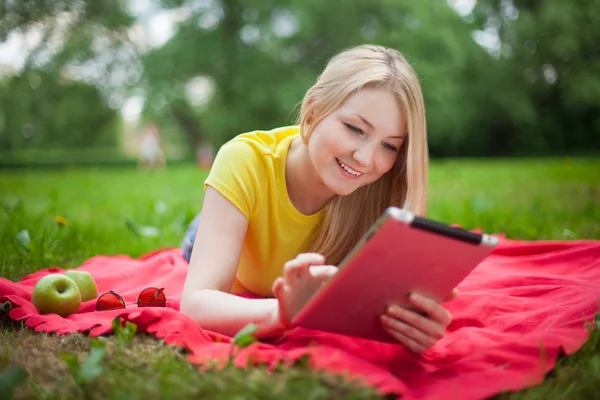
349, 170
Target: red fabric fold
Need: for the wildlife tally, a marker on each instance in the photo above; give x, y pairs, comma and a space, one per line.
519, 310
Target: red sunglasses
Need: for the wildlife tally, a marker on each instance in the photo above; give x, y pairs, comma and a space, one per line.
149, 297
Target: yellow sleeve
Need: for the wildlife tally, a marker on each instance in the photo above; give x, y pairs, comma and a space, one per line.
236, 173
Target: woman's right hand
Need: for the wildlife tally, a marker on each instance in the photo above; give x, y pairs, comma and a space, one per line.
302, 277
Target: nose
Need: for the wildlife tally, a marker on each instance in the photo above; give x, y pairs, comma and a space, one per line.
364, 156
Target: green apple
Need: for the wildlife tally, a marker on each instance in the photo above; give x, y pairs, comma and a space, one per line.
56, 294
86, 283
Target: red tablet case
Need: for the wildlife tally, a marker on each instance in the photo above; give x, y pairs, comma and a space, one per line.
401, 254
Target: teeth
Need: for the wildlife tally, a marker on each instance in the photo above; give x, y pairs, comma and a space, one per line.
348, 169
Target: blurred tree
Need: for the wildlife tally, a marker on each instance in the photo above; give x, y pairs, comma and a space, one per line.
38, 111
75, 77
547, 76
262, 57
436, 42
233, 66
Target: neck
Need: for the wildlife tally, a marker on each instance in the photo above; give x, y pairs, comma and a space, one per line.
305, 188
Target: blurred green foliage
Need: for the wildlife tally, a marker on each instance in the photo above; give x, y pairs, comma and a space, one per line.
41, 112
534, 91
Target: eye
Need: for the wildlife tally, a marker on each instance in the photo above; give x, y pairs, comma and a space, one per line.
353, 129
388, 146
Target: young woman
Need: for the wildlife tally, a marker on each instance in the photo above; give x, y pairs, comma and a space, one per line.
283, 207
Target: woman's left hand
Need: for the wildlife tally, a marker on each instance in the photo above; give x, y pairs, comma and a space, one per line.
415, 331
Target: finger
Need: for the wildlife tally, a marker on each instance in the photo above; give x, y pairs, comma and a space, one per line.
323, 272
452, 295
410, 331
413, 318
311, 258
277, 288
433, 309
405, 340
292, 270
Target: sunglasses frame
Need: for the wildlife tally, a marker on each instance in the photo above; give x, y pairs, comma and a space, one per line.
139, 303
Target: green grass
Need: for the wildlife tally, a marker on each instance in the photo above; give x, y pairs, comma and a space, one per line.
525, 199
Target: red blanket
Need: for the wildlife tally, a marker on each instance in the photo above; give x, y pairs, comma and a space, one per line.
516, 313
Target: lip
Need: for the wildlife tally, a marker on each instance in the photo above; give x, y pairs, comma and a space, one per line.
346, 173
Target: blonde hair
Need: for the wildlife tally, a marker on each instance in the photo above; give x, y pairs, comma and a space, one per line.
405, 185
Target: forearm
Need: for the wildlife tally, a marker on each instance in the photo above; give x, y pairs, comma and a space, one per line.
226, 313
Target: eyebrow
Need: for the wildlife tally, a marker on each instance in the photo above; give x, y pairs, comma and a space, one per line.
371, 126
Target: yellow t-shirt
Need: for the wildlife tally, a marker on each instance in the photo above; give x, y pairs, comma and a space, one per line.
249, 171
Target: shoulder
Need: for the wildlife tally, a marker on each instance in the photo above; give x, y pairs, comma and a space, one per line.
261, 143
256, 151
245, 163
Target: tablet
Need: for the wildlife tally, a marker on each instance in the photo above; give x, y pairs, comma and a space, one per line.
401, 253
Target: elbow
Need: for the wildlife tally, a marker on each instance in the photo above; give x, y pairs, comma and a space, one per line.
187, 302
191, 301
184, 306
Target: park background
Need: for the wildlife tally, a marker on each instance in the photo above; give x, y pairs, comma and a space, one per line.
79, 80
512, 90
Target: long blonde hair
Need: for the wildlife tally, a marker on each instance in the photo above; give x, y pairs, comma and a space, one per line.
347, 218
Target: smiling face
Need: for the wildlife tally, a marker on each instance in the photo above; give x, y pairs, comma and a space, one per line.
359, 142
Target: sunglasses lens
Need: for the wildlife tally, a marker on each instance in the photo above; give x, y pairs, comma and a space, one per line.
109, 301
152, 297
